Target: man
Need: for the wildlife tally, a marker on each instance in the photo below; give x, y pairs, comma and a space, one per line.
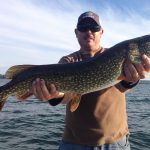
100, 122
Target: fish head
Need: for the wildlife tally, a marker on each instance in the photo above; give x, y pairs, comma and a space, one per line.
144, 45
138, 47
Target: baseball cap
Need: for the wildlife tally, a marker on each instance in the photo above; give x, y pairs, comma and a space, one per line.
88, 17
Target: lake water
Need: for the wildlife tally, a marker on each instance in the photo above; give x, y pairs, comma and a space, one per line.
33, 125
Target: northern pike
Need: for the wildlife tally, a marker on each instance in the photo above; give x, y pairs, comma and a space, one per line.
78, 78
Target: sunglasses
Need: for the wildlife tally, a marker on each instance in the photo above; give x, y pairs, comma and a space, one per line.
87, 28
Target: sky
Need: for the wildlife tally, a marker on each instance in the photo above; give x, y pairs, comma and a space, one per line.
42, 31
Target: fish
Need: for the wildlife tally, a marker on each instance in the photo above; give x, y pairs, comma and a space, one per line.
77, 78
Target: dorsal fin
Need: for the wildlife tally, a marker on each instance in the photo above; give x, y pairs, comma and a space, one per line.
14, 70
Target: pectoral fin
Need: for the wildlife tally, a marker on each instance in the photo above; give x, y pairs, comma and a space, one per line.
23, 95
76, 98
121, 77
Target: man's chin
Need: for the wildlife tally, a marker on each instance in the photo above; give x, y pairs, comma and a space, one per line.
89, 44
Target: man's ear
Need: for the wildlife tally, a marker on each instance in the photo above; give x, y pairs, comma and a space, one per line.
76, 32
101, 31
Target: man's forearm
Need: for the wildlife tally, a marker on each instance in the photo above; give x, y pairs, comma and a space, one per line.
124, 86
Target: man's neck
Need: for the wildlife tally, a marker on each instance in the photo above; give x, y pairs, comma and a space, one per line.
92, 51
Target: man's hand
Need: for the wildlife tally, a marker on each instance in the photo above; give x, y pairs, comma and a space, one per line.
44, 93
136, 72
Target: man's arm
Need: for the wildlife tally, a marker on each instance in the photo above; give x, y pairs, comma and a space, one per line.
133, 73
50, 94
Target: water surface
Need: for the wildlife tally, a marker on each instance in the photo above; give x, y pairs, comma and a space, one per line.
33, 125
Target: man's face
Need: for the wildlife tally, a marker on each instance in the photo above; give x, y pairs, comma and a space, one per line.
89, 35
88, 39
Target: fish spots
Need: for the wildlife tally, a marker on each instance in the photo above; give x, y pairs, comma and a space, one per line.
81, 77
134, 53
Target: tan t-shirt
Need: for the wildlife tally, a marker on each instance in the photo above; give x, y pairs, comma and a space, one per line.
101, 117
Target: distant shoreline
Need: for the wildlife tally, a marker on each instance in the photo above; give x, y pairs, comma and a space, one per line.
2, 76
144, 81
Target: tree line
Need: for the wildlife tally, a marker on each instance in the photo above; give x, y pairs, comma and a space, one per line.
1, 76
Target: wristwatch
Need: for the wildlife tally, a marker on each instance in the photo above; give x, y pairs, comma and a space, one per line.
55, 101
128, 85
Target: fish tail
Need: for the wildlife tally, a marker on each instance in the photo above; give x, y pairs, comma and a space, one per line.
2, 104
3, 98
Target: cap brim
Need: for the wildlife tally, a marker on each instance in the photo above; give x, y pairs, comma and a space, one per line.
88, 20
